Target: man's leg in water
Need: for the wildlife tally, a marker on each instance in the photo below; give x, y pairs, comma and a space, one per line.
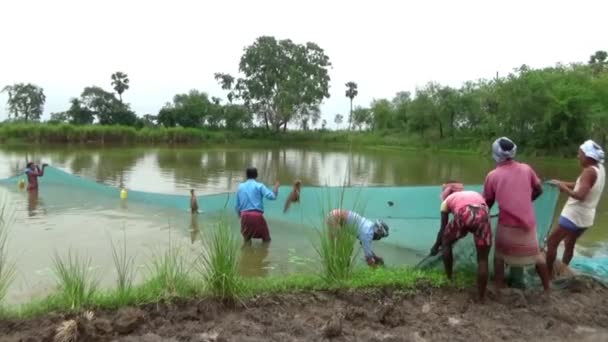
482, 270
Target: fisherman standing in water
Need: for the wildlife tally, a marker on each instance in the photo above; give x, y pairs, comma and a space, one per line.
32, 172
250, 206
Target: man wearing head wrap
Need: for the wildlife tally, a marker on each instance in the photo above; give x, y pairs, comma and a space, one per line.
514, 185
470, 214
367, 231
578, 213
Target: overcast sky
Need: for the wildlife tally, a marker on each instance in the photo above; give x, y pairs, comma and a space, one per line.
169, 47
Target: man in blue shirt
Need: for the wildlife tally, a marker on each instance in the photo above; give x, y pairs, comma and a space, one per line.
367, 231
250, 206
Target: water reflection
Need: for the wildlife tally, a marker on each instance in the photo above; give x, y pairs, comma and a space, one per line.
195, 229
33, 201
254, 259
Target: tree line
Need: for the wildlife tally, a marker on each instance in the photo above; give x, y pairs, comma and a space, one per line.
546, 108
281, 82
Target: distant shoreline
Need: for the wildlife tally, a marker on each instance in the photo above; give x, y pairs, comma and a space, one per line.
24, 135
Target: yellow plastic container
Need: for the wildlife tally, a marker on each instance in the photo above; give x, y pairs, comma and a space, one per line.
123, 194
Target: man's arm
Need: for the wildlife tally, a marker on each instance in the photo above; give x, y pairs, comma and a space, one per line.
41, 171
444, 222
237, 205
556, 182
488, 192
537, 186
588, 178
366, 244
271, 195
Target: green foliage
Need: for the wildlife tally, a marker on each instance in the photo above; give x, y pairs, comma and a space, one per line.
550, 109
195, 110
75, 280
381, 112
598, 62
25, 101
106, 107
220, 263
79, 115
280, 78
361, 117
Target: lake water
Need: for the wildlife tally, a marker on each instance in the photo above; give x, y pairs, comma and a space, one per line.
85, 224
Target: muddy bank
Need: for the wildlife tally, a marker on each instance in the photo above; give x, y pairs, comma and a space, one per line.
578, 312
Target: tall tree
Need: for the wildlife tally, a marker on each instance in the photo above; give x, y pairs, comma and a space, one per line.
193, 109
106, 107
361, 117
120, 82
338, 119
307, 115
401, 103
226, 81
598, 61
60, 117
79, 115
351, 93
280, 78
382, 114
25, 101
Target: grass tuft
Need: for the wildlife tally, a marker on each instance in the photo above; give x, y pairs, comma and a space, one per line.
75, 281
125, 270
336, 246
337, 252
170, 272
220, 263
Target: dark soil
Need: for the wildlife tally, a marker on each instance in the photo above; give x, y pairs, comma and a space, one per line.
576, 313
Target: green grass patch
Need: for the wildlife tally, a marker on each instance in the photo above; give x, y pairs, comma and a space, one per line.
75, 280
170, 273
125, 269
219, 264
151, 292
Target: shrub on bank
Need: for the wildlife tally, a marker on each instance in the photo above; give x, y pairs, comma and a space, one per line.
43, 133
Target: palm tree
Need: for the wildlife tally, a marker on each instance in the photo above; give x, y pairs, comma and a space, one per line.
351, 93
120, 82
